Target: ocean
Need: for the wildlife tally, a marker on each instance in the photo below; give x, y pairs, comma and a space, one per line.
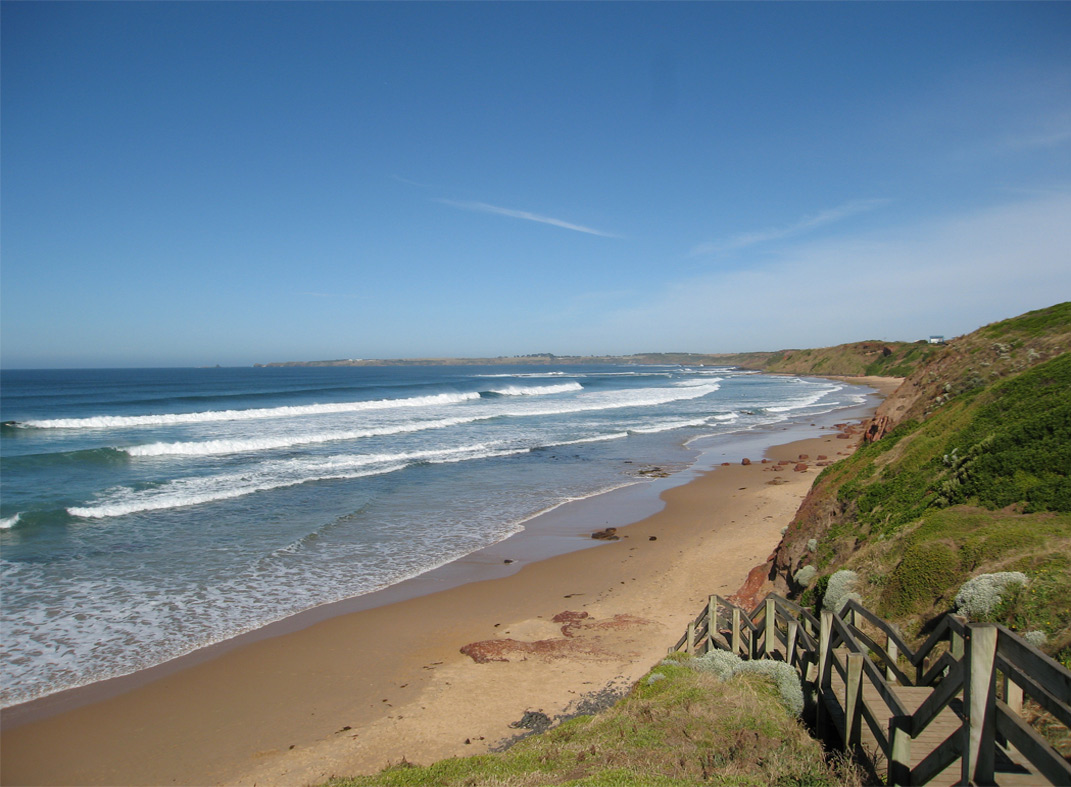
145, 513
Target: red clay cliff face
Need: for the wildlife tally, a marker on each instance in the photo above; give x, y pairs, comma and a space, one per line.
755, 587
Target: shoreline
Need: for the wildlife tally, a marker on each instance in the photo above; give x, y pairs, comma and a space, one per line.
299, 700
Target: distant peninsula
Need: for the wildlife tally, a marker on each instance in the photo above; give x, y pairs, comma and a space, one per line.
891, 359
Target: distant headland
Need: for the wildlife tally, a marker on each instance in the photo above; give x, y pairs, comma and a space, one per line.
892, 359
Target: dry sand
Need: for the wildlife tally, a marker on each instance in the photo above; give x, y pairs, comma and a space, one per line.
357, 691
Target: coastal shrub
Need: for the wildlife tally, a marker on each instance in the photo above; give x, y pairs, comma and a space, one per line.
805, 576
812, 544
727, 665
719, 662
840, 585
927, 571
1036, 638
784, 677
979, 596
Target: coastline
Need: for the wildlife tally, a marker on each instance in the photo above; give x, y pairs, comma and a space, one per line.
349, 689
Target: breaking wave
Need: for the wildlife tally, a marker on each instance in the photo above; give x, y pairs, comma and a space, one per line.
278, 474
170, 419
593, 403
536, 390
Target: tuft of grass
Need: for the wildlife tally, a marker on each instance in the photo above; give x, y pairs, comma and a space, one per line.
687, 728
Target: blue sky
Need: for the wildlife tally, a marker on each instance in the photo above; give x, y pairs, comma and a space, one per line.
201, 183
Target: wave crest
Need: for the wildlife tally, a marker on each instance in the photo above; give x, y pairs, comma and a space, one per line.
209, 416
536, 390
277, 474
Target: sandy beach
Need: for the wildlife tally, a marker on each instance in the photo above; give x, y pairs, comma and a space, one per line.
353, 692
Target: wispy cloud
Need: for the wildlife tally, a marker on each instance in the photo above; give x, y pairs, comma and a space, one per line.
947, 275
1046, 138
806, 224
409, 182
483, 207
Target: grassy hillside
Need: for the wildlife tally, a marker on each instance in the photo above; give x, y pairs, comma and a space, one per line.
886, 359
970, 477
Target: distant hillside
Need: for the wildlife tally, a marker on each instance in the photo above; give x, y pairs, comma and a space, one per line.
884, 359
966, 473
890, 359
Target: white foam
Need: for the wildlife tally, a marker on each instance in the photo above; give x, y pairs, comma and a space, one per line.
591, 402
277, 474
530, 375
171, 419
597, 439
536, 390
694, 383
669, 426
805, 401
9, 522
248, 445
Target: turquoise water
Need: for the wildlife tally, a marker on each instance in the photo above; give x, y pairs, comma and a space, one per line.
146, 513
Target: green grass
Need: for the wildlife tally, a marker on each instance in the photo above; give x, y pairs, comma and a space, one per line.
1032, 324
688, 728
1005, 445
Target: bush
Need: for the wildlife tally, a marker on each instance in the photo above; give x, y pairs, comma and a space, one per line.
805, 576
785, 678
980, 596
727, 665
719, 662
841, 584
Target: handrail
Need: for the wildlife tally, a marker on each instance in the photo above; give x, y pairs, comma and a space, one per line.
949, 689
888, 696
1031, 688
890, 632
967, 669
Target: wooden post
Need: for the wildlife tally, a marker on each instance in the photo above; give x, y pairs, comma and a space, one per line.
825, 635
824, 632
689, 644
736, 631
712, 622
955, 645
894, 654
753, 651
1013, 695
790, 644
770, 636
1013, 698
979, 700
899, 752
853, 700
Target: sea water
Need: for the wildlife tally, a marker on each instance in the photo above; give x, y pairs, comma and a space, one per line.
148, 512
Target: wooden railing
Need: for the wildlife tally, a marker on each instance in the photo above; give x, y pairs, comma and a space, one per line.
967, 682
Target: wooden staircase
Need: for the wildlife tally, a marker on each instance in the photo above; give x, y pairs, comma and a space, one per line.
947, 713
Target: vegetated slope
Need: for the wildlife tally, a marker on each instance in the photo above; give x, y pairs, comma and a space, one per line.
885, 359
678, 726
969, 476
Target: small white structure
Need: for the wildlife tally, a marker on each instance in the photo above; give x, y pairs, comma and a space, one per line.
937, 340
